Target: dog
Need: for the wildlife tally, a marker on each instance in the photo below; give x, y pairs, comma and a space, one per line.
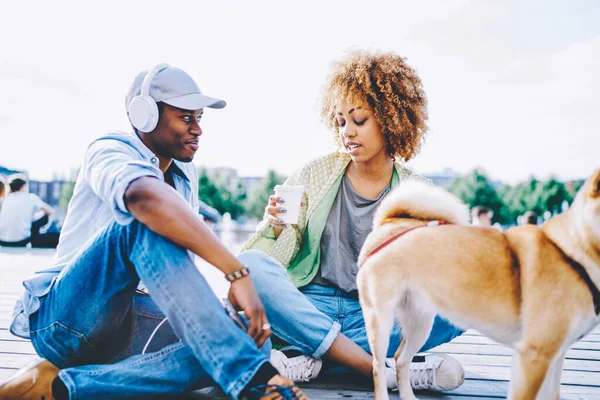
532, 288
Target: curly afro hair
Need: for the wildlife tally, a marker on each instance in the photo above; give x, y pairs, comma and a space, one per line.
391, 88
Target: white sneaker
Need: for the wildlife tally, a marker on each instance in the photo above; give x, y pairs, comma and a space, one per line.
430, 371
299, 369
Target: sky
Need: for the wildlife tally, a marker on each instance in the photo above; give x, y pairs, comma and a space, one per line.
513, 86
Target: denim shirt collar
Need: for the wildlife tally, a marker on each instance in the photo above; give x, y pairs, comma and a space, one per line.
177, 170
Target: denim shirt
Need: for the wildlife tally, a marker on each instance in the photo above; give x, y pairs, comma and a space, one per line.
111, 163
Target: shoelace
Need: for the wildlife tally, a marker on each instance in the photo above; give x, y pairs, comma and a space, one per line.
422, 377
300, 368
285, 392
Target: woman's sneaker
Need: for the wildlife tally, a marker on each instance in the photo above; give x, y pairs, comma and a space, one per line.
279, 388
438, 372
300, 368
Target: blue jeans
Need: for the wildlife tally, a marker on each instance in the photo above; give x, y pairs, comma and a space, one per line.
345, 310
309, 319
92, 318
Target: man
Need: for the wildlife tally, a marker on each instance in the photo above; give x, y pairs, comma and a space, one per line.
481, 216
20, 221
529, 218
134, 216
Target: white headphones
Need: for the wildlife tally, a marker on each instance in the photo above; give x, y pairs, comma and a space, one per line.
143, 111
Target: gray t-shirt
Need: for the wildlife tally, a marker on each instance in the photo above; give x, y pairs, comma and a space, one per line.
350, 221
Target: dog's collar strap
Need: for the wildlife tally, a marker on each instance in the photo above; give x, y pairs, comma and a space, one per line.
588, 281
390, 240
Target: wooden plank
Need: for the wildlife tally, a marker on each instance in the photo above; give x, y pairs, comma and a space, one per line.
495, 350
332, 394
6, 373
471, 387
489, 388
16, 347
574, 365
584, 344
502, 373
15, 361
5, 335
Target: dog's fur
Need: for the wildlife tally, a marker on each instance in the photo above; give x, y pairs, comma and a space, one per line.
516, 287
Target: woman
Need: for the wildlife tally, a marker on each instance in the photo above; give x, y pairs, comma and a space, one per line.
377, 110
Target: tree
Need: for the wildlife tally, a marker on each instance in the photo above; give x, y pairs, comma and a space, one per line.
259, 197
521, 198
536, 196
222, 192
552, 195
233, 195
66, 194
475, 189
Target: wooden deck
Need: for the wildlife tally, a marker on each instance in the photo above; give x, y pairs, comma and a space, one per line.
487, 364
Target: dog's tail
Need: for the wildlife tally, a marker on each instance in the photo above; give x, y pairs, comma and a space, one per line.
418, 200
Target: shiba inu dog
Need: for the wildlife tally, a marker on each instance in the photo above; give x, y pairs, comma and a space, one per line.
533, 288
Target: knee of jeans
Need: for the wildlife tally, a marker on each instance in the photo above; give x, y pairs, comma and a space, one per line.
260, 263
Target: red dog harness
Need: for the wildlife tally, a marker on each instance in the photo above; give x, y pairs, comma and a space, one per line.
390, 240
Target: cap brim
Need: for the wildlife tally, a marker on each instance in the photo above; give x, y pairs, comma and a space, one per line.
195, 101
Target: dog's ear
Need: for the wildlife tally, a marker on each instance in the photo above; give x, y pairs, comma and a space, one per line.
594, 184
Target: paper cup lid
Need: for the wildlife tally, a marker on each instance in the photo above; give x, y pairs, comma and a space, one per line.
289, 188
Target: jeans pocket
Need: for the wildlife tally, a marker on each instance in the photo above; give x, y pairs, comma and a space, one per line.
61, 345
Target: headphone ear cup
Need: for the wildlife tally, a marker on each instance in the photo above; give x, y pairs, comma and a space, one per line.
143, 113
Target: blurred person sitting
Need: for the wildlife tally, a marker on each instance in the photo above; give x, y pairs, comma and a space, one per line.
22, 214
2, 190
481, 216
529, 218
210, 215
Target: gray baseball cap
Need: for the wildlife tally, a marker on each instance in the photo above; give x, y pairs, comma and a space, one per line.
174, 87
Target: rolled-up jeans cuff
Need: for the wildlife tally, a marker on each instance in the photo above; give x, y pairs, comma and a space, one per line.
69, 384
328, 341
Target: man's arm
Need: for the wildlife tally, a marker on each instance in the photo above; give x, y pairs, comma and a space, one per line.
47, 209
159, 207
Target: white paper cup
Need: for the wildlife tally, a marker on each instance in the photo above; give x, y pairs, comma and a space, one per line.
293, 197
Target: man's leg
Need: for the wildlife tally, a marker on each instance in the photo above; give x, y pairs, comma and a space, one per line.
170, 366
90, 302
172, 369
37, 225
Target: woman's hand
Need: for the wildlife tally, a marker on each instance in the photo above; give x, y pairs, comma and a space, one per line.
277, 206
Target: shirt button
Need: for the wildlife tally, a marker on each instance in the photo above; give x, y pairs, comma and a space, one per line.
153, 159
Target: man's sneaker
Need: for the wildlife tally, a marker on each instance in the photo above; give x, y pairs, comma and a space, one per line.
430, 371
279, 388
299, 369
34, 381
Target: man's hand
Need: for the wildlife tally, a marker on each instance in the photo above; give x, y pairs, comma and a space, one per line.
243, 296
